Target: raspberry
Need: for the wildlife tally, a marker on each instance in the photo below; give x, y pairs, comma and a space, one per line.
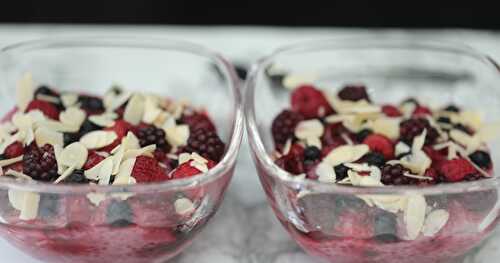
437, 157
374, 158
198, 121
77, 177
147, 170
411, 128
310, 102
186, 170
455, 170
393, 175
47, 108
92, 160
391, 111
283, 127
481, 159
121, 128
293, 162
14, 150
40, 163
353, 93
381, 144
91, 104
151, 135
422, 111
206, 143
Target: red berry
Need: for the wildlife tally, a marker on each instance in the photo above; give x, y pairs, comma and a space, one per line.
47, 108
310, 102
381, 144
198, 121
92, 160
186, 170
206, 143
121, 128
437, 157
391, 111
414, 127
14, 150
333, 134
422, 111
353, 93
147, 170
456, 170
283, 127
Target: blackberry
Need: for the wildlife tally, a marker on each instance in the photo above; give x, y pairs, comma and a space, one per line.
385, 227
374, 158
40, 163
393, 175
119, 214
481, 159
90, 103
77, 177
283, 126
361, 135
312, 153
411, 128
341, 171
206, 143
452, 108
353, 93
152, 135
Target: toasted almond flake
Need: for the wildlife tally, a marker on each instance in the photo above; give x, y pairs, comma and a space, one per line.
336, 118
388, 127
98, 139
402, 148
326, 173
48, 98
183, 206
74, 155
113, 102
57, 152
124, 175
471, 143
105, 171
130, 142
200, 166
16, 198
390, 203
96, 198
468, 118
354, 177
69, 99
346, 138
346, 154
22, 121
56, 126
151, 110
434, 222
417, 162
177, 135
292, 81
358, 167
134, 109
287, 147
309, 129
25, 91
417, 176
118, 158
65, 174
29, 210
7, 162
44, 136
147, 151
198, 158
414, 215
162, 118
407, 108
419, 141
314, 141
104, 120
18, 175
93, 173
369, 181
184, 157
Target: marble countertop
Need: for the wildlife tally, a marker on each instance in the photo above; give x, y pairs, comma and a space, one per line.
245, 230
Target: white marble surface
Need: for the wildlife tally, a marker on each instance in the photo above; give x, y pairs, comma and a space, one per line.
245, 230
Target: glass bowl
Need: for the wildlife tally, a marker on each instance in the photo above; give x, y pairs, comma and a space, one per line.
132, 223
345, 224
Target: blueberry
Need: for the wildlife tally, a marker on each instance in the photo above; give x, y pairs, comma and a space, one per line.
452, 108
91, 103
481, 159
341, 171
312, 153
77, 177
385, 227
444, 120
44, 90
361, 135
374, 158
119, 214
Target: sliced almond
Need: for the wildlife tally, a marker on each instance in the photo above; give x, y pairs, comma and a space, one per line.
414, 216
134, 110
470, 142
98, 139
419, 141
118, 158
292, 81
112, 101
346, 154
130, 142
387, 126
44, 136
184, 206
202, 167
69, 99
124, 175
401, 148
18, 175
7, 162
434, 222
417, 162
105, 171
25, 92
57, 152
310, 128
48, 98
96, 198
147, 151
65, 174
184, 157
287, 147
74, 155
104, 120
30, 204
177, 135
151, 110
326, 173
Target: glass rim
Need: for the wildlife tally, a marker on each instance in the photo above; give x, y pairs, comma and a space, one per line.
159, 43
262, 157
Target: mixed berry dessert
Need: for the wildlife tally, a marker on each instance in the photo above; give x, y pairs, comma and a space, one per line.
121, 138
347, 139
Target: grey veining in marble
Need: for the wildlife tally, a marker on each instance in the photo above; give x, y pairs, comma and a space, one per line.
245, 230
